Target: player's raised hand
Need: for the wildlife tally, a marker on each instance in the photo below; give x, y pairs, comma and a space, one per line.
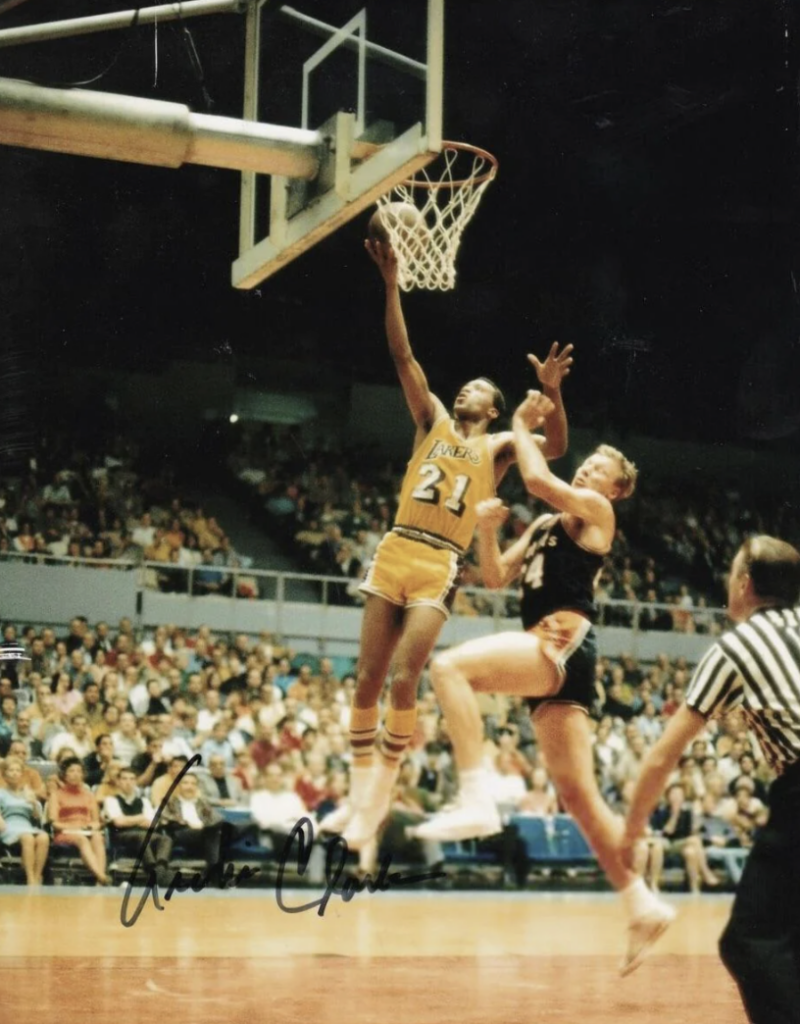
556, 366
491, 512
533, 410
383, 256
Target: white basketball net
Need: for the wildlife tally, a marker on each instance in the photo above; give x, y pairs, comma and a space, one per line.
426, 256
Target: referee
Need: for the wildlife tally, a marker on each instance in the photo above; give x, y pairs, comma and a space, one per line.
755, 666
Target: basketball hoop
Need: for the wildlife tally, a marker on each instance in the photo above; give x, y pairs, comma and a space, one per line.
446, 194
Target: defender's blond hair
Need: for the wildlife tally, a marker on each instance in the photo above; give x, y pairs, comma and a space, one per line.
628, 473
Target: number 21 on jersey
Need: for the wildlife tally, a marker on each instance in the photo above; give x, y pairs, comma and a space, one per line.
428, 489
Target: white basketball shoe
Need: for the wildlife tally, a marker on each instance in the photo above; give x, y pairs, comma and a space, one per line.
466, 819
643, 932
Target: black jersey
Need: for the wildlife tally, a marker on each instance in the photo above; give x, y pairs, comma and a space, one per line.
557, 574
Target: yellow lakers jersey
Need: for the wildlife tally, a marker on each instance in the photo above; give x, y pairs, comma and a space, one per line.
446, 478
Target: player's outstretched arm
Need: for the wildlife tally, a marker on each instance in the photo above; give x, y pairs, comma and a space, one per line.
539, 481
551, 374
498, 568
424, 406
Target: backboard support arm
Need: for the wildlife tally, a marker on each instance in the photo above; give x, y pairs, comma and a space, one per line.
50, 30
147, 131
348, 169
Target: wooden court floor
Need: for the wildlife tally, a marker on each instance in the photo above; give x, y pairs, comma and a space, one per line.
423, 958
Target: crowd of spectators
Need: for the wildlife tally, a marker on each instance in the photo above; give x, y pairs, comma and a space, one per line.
100, 509
332, 507
115, 716
698, 530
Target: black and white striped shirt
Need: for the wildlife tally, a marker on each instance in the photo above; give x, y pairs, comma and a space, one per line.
756, 666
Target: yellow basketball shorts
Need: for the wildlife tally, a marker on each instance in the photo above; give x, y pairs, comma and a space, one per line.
411, 572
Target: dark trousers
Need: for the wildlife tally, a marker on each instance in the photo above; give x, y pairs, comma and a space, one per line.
130, 841
213, 841
509, 847
204, 842
761, 943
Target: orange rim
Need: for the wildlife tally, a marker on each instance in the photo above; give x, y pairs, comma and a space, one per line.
464, 147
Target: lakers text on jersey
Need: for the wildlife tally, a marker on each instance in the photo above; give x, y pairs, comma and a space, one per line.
446, 478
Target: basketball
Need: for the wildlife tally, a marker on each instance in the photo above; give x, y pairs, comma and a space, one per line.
404, 216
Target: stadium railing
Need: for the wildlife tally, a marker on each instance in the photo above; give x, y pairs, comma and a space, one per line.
302, 608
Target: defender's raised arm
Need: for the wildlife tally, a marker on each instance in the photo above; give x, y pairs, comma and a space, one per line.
554, 441
551, 374
604, 477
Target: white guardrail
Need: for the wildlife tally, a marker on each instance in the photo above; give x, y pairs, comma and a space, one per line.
312, 611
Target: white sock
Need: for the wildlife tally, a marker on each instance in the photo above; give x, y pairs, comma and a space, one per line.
637, 899
384, 776
473, 784
359, 784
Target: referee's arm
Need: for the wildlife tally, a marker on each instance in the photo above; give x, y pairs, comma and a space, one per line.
716, 687
684, 725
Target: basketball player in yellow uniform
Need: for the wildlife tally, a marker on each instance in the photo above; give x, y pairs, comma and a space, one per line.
412, 580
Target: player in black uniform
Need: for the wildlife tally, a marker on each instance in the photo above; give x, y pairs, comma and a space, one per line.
551, 662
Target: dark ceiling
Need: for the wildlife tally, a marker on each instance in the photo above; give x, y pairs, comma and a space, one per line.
646, 209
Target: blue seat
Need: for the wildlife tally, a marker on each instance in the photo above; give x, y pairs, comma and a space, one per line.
535, 834
570, 842
467, 852
553, 841
235, 814
244, 849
